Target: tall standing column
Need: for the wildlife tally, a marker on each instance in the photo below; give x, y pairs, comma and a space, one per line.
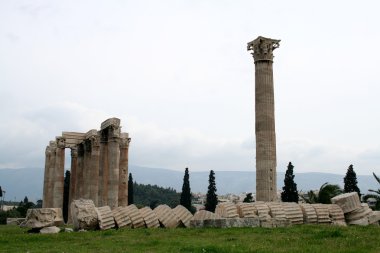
73, 174
93, 181
59, 173
79, 175
51, 174
123, 169
113, 166
46, 177
266, 189
103, 169
86, 168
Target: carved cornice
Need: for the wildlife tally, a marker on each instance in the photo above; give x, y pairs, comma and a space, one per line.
110, 122
263, 48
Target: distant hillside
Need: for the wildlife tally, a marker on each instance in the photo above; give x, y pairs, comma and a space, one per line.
19, 183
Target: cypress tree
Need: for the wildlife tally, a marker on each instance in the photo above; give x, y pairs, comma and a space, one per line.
1, 192
130, 189
289, 193
186, 192
66, 192
350, 181
211, 197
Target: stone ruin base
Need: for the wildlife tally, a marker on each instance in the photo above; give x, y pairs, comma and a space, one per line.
346, 209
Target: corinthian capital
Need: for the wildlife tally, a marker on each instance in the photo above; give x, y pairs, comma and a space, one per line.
263, 48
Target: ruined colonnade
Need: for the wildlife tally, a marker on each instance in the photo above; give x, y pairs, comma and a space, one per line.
99, 166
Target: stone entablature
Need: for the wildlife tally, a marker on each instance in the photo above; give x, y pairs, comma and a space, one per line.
99, 166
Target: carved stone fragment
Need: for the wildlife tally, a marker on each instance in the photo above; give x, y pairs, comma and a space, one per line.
150, 217
43, 217
105, 217
84, 214
121, 217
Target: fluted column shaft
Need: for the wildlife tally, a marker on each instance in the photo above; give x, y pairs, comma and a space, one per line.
123, 170
113, 166
59, 174
46, 177
94, 169
79, 173
266, 189
73, 175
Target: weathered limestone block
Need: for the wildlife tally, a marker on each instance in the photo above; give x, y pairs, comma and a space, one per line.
205, 215
50, 230
199, 217
374, 217
358, 214
84, 215
279, 222
360, 222
43, 217
135, 216
183, 215
347, 201
215, 223
105, 217
150, 217
246, 210
121, 217
293, 213
166, 216
276, 210
267, 223
227, 210
262, 211
336, 215
323, 215
309, 214
15, 221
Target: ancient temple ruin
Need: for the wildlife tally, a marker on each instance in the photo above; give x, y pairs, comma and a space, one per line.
266, 189
99, 166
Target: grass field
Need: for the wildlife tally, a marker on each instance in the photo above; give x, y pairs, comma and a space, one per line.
292, 239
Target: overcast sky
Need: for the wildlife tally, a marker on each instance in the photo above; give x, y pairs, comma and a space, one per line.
178, 75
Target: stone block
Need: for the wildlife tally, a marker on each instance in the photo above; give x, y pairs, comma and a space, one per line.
150, 217
166, 216
204, 215
215, 223
227, 210
135, 216
309, 214
122, 220
43, 217
276, 210
246, 210
374, 217
105, 218
322, 211
262, 211
197, 223
362, 212
293, 213
183, 215
84, 215
280, 223
347, 201
360, 222
50, 230
336, 215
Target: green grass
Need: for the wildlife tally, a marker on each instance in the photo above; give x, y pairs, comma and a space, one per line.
292, 239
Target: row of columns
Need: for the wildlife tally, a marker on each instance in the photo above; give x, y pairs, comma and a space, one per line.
99, 166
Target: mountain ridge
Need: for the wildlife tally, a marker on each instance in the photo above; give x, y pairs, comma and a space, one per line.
19, 183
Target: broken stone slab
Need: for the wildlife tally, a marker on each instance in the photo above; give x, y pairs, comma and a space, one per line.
122, 220
15, 221
309, 214
166, 216
150, 217
183, 215
362, 212
374, 217
347, 201
84, 215
135, 216
360, 222
43, 217
50, 230
105, 217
